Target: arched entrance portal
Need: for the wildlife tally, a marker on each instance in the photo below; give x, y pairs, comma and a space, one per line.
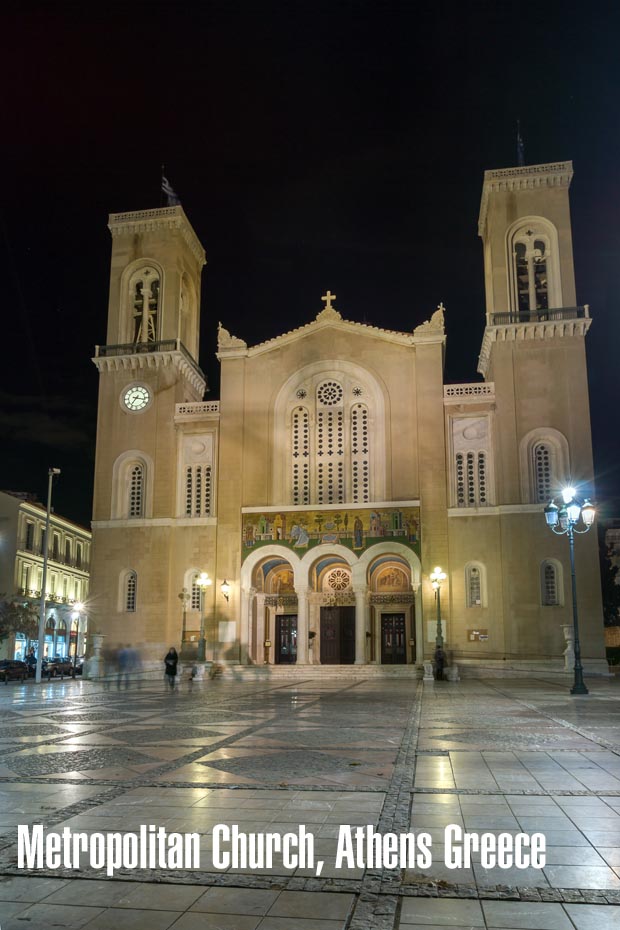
330, 606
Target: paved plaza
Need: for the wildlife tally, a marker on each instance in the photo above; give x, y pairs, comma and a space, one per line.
495, 756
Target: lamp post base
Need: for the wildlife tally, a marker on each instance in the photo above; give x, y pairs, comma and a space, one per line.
579, 688
200, 655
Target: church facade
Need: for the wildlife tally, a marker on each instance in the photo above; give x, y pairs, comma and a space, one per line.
337, 471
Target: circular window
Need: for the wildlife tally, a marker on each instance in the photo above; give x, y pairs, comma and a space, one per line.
329, 393
339, 580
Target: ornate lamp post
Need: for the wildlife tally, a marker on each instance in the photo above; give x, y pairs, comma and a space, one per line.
203, 581
78, 607
184, 597
437, 577
563, 522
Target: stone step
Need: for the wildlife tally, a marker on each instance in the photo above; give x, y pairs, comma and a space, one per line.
260, 672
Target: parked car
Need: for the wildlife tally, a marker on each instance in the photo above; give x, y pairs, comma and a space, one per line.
79, 664
57, 667
13, 668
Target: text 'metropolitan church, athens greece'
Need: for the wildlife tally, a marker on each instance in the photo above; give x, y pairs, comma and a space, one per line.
337, 470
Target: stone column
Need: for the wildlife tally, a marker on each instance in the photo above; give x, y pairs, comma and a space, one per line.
260, 629
302, 625
245, 632
361, 623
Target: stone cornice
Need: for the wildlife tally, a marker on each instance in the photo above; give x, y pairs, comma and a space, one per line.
39, 512
141, 221
142, 360
520, 332
528, 177
138, 522
317, 508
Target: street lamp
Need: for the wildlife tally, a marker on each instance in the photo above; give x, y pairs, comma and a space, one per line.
437, 577
78, 607
184, 597
51, 474
203, 581
563, 522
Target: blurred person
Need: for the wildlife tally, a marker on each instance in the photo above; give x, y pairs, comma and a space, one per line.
171, 660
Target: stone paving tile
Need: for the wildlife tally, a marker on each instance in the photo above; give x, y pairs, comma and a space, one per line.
278, 741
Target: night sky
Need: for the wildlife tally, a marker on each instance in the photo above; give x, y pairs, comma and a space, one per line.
313, 146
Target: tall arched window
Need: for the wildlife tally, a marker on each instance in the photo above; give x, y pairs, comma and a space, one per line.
136, 491
545, 464
543, 471
535, 273
130, 590
300, 443
328, 425
144, 295
330, 480
475, 585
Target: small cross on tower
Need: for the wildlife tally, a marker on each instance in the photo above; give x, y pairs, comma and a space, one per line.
328, 297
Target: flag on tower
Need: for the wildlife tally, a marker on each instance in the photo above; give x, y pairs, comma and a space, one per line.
169, 191
520, 147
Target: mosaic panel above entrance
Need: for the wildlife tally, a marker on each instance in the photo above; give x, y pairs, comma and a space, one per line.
356, 528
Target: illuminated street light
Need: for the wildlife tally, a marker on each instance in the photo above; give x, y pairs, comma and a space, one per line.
203, 581
563, 522
437, 578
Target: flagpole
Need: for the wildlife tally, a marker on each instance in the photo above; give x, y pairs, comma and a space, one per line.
161, 186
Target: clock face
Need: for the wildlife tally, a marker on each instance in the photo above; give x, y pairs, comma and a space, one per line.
136, 397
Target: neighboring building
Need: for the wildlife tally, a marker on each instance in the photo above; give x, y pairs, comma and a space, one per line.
337, 470
612, 543
22, 535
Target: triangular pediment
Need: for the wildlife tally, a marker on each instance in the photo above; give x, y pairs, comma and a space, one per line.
329, 318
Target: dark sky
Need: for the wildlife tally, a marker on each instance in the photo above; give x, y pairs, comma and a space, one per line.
316, 145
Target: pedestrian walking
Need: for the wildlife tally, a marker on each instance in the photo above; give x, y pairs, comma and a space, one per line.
171, 660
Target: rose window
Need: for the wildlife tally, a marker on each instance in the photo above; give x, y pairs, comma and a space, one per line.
339, 580
329, 393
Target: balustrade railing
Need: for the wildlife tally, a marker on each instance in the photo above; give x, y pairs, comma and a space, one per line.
553, 314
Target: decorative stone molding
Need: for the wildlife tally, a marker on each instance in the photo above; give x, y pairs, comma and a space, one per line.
434, 325
520, 332
468, 393
338, 599
405, 598
225, 341
141, 221
528, 177
154, 360
281, 600
196, 411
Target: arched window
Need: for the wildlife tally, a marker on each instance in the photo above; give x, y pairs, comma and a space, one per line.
300, 440
132, 487
551, 583
360, 454
130, 588
329, 443
329, 422
535, 273
475, 585
545, 464
136, 491
144, 287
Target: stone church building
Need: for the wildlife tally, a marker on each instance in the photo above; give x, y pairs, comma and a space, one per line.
337, 470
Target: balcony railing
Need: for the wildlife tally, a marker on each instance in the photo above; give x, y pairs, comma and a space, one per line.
80, 564
554, 314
